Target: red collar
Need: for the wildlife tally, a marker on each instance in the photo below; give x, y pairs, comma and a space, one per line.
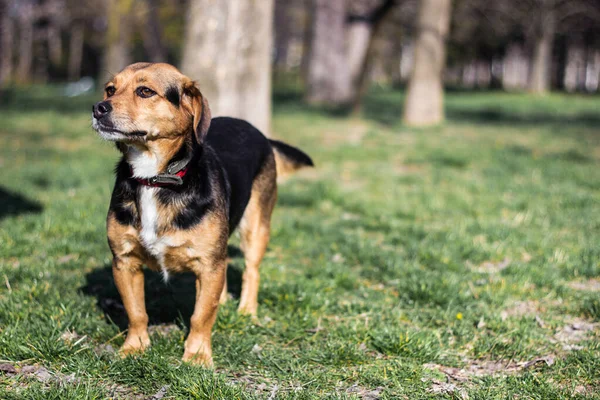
162, 180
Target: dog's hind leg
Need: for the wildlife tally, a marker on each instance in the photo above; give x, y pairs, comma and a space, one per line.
254, 233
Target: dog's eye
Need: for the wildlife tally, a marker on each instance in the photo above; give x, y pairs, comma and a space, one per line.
110, 91
145, 92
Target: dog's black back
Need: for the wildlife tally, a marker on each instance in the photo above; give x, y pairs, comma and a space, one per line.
242, 150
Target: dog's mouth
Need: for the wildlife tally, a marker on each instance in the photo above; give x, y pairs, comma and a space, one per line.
113, 134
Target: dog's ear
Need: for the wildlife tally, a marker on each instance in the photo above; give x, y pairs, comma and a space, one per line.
198, 107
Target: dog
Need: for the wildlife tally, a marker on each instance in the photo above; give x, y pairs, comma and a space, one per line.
184, 183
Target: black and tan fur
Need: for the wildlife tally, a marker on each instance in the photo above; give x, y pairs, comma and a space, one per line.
157, 116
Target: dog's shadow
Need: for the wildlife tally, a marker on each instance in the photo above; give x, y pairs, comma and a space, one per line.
166, 303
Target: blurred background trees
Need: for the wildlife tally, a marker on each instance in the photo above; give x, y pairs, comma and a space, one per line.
334, 50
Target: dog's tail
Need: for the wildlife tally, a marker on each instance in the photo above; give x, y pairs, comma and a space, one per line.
289, 159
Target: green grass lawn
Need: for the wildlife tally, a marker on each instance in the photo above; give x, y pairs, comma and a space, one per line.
457, 262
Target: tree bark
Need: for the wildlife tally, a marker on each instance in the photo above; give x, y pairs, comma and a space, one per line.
328, 75
117, 52
151, 30
7, 28
227, 51
425, 97
541, 60
75, 51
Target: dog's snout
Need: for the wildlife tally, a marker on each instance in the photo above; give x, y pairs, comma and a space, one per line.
101, 109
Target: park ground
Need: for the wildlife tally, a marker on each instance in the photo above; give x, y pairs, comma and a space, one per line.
460, 261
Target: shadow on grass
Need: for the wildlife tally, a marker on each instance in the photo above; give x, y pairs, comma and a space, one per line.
501, 117
385, 107
291, 100
15, 204
166, 303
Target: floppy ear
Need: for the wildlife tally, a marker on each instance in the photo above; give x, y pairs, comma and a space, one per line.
199, 109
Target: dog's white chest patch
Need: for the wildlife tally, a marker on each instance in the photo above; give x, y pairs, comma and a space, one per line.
144, 166
154, 244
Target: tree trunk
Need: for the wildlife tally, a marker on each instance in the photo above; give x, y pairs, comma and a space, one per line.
425, 97
25, 42
328, 77
541, 60
7, 27
227, 51
75, 51
150, 30
117, 52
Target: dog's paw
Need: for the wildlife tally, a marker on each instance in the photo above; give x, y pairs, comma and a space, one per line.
248, 309
201, 360
198, 352
224, 297
134, 345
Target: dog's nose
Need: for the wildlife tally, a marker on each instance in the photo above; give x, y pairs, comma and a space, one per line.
101, 109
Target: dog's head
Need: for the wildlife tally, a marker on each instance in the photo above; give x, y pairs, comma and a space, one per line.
146, 102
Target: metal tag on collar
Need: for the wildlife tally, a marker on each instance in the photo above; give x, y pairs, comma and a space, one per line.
171, 179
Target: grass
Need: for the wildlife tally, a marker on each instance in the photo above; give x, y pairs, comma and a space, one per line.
472, 247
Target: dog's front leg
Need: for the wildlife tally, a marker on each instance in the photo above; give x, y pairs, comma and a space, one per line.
129, 280
209, 286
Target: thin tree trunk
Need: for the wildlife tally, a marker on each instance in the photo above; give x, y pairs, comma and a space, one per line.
75, 51
559, 64
151, 31
425, 97
25, 42
54, 44
281, 34
359, 40
395, 61
328, 78
407, 60
515, 68
306, 41
117, 52
575, 59
541, 61
40, 66
227, 51
362, 79
7, 27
